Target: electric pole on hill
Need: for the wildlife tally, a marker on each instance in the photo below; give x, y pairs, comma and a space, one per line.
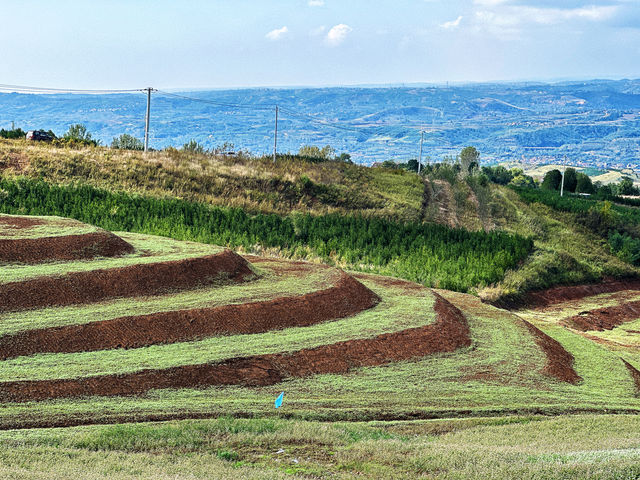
146, 123
275, 137
420, 156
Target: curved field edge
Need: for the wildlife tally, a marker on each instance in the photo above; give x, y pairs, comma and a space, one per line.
276, 278
129, 281
345, 298
63, 248
19, 227
148, 249
397, 310
448, 333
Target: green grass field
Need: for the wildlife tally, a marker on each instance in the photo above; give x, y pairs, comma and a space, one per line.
576, 447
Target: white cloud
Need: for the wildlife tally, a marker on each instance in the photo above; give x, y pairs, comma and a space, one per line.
316, 3
277, 34
500, 19
316, 32
338, 34
452, 24
489, 3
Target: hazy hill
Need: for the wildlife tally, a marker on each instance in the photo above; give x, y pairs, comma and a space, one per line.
595, 122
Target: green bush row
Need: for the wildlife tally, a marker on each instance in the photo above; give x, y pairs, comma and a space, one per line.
432, 254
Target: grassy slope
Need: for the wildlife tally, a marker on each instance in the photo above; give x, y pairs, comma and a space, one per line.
565, 252
257, 185
582, 447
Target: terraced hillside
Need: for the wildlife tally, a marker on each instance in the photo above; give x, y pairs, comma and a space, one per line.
201, 339
161, 329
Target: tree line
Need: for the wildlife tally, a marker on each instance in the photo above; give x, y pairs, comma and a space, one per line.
432, 254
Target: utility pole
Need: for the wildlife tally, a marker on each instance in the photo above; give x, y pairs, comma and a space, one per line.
275, 137
563, 170
420, 156
146, 124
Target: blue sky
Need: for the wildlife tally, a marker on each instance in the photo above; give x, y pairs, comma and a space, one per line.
200, 44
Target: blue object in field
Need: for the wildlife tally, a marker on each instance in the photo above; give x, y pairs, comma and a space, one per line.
279, 400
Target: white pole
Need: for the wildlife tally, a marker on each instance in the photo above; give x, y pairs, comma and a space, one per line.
146, 124
420, 157
562, 184
275, 137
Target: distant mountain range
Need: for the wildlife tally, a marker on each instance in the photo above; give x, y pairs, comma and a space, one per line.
588, 123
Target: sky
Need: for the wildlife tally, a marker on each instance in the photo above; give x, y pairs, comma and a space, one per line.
118, 44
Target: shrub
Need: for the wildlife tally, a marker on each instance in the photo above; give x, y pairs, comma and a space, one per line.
193, 146
14, 133
77, 135
127, 142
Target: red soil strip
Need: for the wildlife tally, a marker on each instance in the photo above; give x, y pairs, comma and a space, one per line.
559, 362
447, 334
19, 222
69, 247
635, 374
131, 281
390, 281
555, 295
606, 318
346, 298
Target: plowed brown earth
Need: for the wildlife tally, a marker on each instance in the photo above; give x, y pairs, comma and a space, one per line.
448, 333
555, 295
606, 318
131, 281
19, 222
347, 297
559, 362
70, 247
635, 374
391, 282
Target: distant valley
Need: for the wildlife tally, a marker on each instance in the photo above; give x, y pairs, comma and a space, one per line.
595, 123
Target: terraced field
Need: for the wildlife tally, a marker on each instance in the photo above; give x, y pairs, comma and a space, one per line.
158, 329
168, 329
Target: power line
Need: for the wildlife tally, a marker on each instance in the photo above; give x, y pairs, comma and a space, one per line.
212, 102
23, 88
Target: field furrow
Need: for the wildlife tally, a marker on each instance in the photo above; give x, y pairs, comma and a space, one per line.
347, 297
448, 333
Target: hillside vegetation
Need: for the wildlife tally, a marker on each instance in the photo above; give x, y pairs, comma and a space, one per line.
361, 218
164, 360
